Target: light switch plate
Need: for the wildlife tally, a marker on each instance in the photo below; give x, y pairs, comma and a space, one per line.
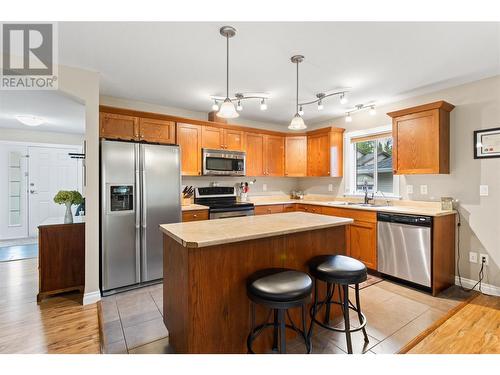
330, 187
472, 257
264, 187
423, 189
483, 190
409, 189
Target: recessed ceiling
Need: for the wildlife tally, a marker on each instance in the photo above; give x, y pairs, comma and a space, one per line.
62, 113
182, 64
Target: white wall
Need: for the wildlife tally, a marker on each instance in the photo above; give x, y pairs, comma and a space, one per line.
477, 107
34, 136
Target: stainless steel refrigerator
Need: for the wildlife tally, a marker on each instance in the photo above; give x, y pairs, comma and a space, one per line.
140, 189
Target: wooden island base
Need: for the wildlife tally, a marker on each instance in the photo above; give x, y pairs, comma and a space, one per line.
206, 308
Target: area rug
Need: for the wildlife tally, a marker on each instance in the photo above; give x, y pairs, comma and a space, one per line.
371, 280
18, 252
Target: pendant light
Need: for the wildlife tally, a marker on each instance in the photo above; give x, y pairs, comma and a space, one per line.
227, 109
297, 122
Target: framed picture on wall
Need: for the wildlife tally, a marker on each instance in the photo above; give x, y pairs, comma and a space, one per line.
487, 143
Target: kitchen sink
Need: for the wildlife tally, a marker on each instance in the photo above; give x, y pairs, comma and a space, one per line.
334, 203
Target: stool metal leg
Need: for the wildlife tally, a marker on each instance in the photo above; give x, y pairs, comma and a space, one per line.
281, 318
330, 288
275, 333
314, 307
346, 317
358, 307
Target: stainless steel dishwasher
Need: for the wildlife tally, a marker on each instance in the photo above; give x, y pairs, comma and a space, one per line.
404, 247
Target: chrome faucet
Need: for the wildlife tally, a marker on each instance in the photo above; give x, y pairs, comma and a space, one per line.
365, 189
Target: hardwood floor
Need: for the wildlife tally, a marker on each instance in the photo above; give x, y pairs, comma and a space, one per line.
473, 329
57, 325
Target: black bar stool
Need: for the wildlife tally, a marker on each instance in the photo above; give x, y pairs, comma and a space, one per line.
342, 271
279, 290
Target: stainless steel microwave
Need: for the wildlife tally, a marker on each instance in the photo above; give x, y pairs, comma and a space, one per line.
223, 163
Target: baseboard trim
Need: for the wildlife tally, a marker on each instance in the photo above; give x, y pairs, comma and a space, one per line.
492, 290
92, 297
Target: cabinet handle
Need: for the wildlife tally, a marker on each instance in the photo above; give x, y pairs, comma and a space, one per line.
195, 215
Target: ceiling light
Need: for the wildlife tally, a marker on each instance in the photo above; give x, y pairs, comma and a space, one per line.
297, 122
263, 105
372, 111
30, 120
301, 111
320, 105
215, 106
348, 118
227, 109
343, 98
239, 107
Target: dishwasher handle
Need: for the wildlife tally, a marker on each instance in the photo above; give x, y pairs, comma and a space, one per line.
417, 220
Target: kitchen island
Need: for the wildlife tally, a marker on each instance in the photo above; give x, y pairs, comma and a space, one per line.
206, 264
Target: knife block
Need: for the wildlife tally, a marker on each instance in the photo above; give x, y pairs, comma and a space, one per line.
185, 201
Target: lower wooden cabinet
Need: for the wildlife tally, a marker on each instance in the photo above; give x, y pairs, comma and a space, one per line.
361, 235
292, 207
310, 208
269, 209
194, 215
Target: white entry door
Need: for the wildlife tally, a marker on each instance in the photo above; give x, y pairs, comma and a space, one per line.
13, 188
50, 170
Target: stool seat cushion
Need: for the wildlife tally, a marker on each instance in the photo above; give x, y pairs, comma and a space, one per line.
338, 269
281, 285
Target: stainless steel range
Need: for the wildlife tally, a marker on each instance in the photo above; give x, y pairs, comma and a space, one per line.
222, 202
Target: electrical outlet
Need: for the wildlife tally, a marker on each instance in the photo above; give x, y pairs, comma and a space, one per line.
330, 187
486, 259
472, 257
264, 187
409, 189
483, 190
423, 189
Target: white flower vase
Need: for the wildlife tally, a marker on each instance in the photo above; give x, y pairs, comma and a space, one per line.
68, 217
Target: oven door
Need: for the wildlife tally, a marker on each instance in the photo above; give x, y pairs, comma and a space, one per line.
221, 214
223, 163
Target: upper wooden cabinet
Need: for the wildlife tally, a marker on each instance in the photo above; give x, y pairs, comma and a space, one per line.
296, 156
117, 126
156, 131
136, 128
189, 140
221, 138
254, 147
274, 155
325, 152
421, 139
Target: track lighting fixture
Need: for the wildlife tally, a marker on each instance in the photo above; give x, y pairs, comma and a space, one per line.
360, 107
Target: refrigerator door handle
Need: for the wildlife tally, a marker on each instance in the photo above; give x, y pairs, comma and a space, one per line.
137, 216
144, 225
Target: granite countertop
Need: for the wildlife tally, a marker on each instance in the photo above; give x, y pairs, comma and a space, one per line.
221, 231
194, 207
411, 208
60, 221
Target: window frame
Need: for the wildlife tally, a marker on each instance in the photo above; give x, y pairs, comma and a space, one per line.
350, 163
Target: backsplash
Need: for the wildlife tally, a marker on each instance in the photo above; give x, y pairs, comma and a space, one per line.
319, 185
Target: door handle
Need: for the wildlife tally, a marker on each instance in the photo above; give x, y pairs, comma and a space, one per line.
33, 192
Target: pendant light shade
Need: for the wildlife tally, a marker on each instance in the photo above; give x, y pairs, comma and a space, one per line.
297, 122
227, 109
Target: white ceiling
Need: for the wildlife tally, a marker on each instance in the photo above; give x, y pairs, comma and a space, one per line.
62, 113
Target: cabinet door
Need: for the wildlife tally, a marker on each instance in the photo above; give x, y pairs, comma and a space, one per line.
274, 155
417, 143
189, 140
157, 131
254, 145
113, 126
196, 215
296, 156
313, 209
363, 243
233, 140
292, 207
212, 137
318, 155
336, 153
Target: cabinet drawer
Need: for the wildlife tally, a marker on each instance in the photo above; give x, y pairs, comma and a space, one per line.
292, 207
268, 209
195, 215
310, 208
361, 215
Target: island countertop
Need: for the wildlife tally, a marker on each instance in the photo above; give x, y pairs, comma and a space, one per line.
221, 231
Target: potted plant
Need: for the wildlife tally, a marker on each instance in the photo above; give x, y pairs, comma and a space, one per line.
68, 198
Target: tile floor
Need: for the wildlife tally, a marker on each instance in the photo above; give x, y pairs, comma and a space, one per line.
133, 321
